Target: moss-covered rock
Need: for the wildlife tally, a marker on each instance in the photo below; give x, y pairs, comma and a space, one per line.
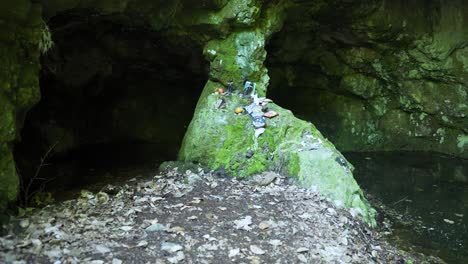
401, 66
221, 139
20, 39
234, 35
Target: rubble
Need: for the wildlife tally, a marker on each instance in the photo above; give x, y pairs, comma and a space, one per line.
171, 219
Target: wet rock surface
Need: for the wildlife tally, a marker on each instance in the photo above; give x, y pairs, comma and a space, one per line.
197, 217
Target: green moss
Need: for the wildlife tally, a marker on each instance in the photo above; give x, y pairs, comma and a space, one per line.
9, 181
220, 139
19, 90
294, 166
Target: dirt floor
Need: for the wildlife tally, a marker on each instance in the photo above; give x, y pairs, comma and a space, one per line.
182, 216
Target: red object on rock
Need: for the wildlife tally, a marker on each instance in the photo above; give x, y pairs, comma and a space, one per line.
270, 114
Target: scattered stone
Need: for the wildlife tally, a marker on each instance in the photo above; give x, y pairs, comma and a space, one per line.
302, 250
126, 228
170, 247
256, 250
448, 221
102, 249
177, 258
244, 223
264, 179
302, 258
233, 252
142, 243
263, 225
116, 261
156, 227
275, 242
24, 223
168, 219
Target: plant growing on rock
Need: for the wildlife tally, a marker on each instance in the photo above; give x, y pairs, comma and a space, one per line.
45, 41
28, 192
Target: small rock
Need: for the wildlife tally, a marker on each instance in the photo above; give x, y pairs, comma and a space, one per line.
234, 252
302, 250
116, 261
24, 223
142, 243
193, 178
302, 258
448, 221
275, 242
256, 250
102, 249
344, 241
177, 258
156, 227
265, 178
263, 225
126, 228
170, 247
244, 223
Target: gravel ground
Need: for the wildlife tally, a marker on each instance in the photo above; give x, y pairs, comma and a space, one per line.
197, 217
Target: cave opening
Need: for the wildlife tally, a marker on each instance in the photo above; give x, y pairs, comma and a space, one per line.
116, 95
306, 70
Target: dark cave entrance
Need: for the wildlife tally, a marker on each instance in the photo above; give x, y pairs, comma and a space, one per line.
116, 96
315, 72
306, 74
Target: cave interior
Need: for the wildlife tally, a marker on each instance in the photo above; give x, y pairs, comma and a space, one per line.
114, 94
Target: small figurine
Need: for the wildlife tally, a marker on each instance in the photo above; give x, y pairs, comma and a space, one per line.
230, 86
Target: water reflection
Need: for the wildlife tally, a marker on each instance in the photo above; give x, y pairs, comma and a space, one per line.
431, 189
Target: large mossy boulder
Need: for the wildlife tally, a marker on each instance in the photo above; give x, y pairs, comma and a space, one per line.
221, 139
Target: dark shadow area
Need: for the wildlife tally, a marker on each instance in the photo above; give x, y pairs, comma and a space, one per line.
428, 192
306, 74
116, 95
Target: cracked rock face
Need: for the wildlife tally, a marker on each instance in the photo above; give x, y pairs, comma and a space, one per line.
380, 75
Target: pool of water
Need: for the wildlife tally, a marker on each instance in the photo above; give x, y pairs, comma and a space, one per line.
428, 188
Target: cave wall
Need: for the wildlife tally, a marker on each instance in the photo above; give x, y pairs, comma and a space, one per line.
233, 35
375, 71
377, 75
22, 35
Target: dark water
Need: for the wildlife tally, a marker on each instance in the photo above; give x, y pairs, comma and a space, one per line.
428, 191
